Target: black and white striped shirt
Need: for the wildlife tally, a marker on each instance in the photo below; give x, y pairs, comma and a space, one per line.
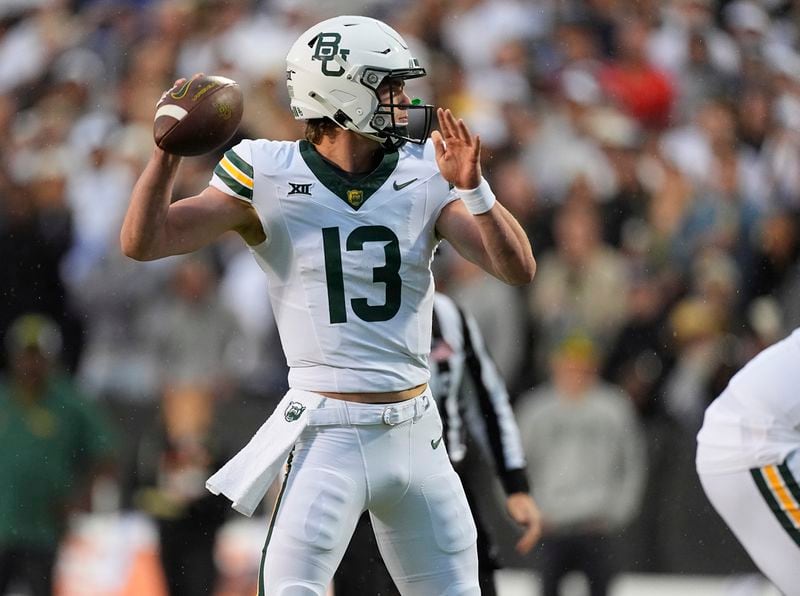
457, 349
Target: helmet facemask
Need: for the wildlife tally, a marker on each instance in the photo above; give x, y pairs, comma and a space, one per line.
391, 133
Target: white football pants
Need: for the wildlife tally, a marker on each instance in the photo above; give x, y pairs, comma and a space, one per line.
400, 473
762, 508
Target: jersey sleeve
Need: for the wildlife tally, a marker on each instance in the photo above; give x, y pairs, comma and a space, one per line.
233, 175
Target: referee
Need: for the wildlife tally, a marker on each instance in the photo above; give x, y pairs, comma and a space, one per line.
457, 351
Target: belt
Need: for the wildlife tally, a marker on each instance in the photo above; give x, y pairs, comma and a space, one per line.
347, 413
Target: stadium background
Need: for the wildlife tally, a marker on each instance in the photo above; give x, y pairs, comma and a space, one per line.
651, 150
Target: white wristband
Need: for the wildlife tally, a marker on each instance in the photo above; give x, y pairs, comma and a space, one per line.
478, 200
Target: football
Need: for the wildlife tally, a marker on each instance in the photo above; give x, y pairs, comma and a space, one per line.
198, 116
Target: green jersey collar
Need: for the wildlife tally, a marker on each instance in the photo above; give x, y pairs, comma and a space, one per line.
353, 192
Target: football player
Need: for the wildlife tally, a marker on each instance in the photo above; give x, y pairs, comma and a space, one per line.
748, 459
344, 224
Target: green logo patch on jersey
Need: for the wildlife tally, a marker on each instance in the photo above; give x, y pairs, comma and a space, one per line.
293, 411
355, 197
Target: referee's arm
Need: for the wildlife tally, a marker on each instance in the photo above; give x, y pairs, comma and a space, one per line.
502, 432
498, 417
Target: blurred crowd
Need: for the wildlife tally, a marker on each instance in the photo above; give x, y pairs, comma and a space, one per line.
651, 149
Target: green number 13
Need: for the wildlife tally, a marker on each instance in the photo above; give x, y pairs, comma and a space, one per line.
388, 274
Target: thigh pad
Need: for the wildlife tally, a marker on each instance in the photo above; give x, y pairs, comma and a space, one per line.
453, 526
327, 504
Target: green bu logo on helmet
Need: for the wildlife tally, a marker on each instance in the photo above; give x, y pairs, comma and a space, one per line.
293, 411
326, 50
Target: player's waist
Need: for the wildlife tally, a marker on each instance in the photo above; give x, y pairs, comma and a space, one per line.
335, 412
396, 381
383, 397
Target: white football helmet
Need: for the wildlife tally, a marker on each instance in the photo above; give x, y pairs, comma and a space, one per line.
334, 69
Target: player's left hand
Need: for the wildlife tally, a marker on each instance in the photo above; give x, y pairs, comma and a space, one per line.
523, 510
458, 151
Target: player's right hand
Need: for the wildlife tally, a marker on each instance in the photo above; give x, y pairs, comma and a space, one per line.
177, 83
161, 99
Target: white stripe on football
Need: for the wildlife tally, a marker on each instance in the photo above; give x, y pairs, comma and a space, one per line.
170, 109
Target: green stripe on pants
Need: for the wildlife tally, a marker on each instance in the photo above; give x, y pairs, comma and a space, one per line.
774, 505
272, 525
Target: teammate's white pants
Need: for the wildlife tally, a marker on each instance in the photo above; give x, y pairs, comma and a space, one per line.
762, 508
403, 476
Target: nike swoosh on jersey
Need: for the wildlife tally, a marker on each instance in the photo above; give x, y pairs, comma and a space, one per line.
435, 442
397, 186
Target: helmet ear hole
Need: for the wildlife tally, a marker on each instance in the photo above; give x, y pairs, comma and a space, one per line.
372, 79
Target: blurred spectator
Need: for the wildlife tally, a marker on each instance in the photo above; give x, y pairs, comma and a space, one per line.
639, 359
578, 284
97, 190
560, 152
192, 335
766, 324
35, 235
175, 458
586, 462
461, 92
636, 86
621, 139
28, 44
517, 190
690, 145
115, 300
577, 43
55, 444
243, 290
720, 218
495, 22
716, 280
777, 248
116, 365
748, 23
755, 125
697, 328
669, 46
671, 197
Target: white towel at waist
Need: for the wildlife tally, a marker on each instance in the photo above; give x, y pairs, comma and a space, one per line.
248, 475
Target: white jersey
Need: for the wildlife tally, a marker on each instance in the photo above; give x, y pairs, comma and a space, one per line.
348, 261
756, 421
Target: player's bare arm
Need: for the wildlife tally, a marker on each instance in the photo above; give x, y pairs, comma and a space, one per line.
494, 240
153, 228
156, 227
